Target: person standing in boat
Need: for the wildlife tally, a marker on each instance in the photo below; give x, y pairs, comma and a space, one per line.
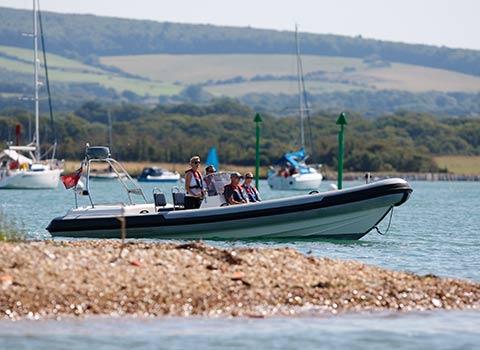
251, 191
193, 185
233, 192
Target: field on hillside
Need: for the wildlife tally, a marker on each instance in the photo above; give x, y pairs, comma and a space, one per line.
248, 73
70, 71
277, 87
333, 73
468, 165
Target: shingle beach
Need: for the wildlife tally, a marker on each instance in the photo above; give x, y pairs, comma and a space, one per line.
51, 279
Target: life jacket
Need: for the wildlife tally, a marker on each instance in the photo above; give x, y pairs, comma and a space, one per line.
238, 193
196, 182
252, 193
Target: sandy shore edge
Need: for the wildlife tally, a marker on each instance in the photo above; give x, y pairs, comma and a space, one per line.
48, 279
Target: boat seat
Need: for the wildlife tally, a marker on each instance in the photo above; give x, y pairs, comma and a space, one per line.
159, 199
178, 200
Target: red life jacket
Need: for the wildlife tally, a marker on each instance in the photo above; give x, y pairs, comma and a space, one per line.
252, 193
237, 193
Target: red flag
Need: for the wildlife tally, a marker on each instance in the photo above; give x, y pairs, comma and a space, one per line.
14, 165
71, 180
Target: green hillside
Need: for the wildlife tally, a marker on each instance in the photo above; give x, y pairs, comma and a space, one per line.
84, 36
236, 75
64, 70
144, 62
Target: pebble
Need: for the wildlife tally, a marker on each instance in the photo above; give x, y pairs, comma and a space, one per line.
52, 279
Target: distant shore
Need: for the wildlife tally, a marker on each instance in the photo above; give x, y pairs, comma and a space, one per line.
51, 279
405, 176
135, 168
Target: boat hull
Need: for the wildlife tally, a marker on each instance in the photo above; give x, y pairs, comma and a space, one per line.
344, 214
158, 180
104, 176
162, 178
44, 179
298, 182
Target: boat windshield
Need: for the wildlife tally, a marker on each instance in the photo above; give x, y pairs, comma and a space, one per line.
216, 182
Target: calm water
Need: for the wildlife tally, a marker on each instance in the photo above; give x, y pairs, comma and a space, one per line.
437, 231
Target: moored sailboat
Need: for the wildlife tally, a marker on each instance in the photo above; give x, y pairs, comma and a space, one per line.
291, 172
22, 167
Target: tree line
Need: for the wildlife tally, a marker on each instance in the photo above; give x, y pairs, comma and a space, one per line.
403, 141
71, 96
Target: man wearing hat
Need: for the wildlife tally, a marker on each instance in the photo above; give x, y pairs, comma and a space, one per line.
233, 192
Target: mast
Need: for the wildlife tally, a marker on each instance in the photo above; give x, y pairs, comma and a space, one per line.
36, 82
301, 100
47, 80
110, 142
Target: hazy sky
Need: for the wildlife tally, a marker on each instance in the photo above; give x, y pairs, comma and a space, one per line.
453, 23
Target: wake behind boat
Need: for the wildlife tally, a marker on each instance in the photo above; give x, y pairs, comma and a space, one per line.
344, 214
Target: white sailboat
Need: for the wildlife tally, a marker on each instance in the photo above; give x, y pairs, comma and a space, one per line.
21, 167
290, 172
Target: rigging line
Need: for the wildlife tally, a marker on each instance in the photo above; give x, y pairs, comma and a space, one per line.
303, 96
309, 121
388, 227
52, 124
301, 102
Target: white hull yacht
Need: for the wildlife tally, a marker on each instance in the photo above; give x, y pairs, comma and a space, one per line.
290, 171
21, 166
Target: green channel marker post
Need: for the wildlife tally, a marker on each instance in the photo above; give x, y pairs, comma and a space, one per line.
340, 121
257, 120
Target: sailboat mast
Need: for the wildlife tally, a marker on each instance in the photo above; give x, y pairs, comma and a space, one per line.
36, 82
300, 94
110, 142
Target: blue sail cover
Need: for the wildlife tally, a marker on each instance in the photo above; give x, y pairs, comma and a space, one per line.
212, 158
296, 160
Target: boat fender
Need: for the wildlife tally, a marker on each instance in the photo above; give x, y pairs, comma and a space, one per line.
332, 187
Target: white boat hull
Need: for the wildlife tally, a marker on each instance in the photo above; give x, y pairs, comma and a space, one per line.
26, 179
297, 182
346, 214
163, 178
104, 176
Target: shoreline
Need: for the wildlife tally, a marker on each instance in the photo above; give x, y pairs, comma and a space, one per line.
51, 279
406, 176
135, 169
